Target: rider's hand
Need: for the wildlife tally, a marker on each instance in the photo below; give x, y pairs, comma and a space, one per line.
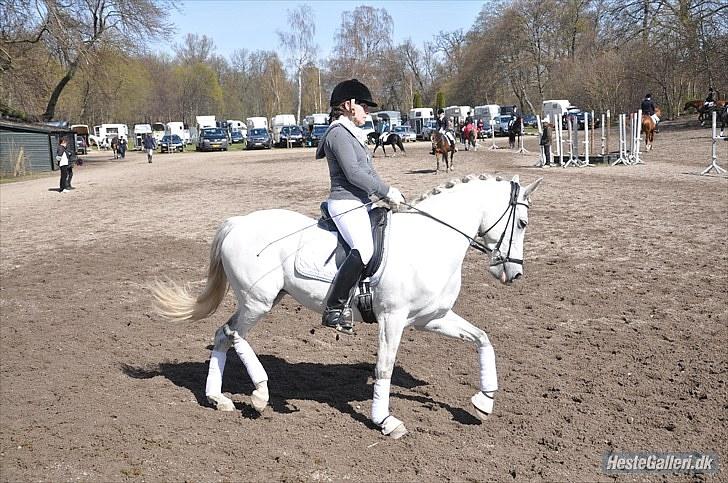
394, 196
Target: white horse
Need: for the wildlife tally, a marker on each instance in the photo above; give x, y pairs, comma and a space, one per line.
418, 286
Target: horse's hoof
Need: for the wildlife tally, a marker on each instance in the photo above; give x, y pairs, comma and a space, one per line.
393, 427
220, 402
258, 401
483, 405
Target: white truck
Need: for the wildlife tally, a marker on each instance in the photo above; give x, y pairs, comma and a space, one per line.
418, 119
318, 118
555, 109
487, 113
256, 123
106, 132
141, 130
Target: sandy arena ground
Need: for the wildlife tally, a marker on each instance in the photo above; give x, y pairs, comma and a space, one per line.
614, 340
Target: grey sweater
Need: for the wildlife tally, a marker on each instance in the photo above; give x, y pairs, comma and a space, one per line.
352, 174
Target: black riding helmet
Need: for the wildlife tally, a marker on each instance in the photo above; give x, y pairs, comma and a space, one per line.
440, 111
351, 89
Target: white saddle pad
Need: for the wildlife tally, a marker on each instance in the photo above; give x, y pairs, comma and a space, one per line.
315, 259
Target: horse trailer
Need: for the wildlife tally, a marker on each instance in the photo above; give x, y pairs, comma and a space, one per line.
458, 113
393, 118
277, 123
418, 118
141, 130
554, 110
158, 129
256, 123
178, 128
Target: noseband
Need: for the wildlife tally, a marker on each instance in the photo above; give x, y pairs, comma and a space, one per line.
495, 255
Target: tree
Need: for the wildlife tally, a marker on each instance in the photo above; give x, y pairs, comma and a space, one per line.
299, 45
76, 29
417, 100
440, 100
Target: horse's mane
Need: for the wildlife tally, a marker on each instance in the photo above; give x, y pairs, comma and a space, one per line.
451, 184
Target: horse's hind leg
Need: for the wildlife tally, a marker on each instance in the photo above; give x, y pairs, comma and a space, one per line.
233, 334
452, 325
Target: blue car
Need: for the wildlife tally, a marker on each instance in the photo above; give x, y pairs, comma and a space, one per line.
259, 138
236, 137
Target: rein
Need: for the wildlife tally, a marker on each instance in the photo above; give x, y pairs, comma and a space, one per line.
496, 258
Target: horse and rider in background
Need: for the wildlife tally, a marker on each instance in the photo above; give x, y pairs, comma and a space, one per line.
470, 135
386, 138
650, 117
706, 107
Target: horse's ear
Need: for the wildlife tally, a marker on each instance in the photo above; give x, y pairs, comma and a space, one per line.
516, 179
531, 188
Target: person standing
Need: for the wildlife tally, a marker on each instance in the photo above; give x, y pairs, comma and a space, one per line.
115, 146
545, 143
64, 164
353, 180
149, 144
122, 147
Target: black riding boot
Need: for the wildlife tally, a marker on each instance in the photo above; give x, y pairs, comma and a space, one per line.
337, 313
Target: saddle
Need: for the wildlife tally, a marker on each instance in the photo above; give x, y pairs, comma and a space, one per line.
320, 258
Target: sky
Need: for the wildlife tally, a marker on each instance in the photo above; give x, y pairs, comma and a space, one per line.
235, 24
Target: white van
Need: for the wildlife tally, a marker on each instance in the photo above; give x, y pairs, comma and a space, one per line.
554, 110
418, 118
256, 123
107, 132
486, 113
178, 128
393, 118
368, 126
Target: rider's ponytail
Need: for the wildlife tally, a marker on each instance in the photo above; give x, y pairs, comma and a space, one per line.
336, 113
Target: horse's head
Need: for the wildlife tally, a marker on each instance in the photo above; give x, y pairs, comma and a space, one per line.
503, 228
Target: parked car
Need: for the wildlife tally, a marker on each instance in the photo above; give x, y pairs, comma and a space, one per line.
530, 120
406, 133
580, 119
81, 147
171, 143
316, 133
501, 124
427, 129
292, 135
236, 136
259, 138
212, 138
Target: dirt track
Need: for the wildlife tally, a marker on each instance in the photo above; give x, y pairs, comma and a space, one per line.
611, 341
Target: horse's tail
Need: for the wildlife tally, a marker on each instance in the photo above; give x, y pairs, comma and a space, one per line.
175, 303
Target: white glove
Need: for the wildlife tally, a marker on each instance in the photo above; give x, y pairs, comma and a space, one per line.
394, 196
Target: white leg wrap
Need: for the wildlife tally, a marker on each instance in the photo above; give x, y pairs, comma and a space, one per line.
488, 375
214, 373
380, 404
250, 360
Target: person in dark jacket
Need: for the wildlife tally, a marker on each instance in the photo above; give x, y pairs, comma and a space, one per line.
149, 144
64, 163
648, 106
545, 143
353, 182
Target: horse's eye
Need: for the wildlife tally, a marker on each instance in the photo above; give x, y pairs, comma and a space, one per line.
522, 224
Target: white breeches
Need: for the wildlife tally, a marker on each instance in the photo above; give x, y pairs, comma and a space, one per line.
354, 226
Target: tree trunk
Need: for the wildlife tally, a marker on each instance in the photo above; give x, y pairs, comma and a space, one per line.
300, 89
50, 111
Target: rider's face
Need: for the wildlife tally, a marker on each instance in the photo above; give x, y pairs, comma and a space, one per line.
357, 112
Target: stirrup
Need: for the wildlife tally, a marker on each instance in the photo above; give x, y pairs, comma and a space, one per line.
339, 319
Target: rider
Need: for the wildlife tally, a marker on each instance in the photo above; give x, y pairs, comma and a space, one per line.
648, 107
444, 127
710, 100
353, 181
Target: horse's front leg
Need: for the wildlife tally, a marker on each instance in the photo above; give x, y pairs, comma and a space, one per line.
452, 325
390, 335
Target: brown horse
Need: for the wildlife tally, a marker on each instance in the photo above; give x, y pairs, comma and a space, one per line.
470, 132
703, 112
648, 127
442, 146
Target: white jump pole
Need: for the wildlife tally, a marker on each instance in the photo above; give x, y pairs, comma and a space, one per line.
586, 162
714, 149
638, 137
623, 158
521, 149
492, 134
603, 149
572, 159
541, 155
609, 126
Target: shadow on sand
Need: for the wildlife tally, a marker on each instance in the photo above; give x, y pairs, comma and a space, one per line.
338, 385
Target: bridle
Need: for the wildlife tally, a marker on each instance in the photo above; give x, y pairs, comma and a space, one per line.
496, 258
